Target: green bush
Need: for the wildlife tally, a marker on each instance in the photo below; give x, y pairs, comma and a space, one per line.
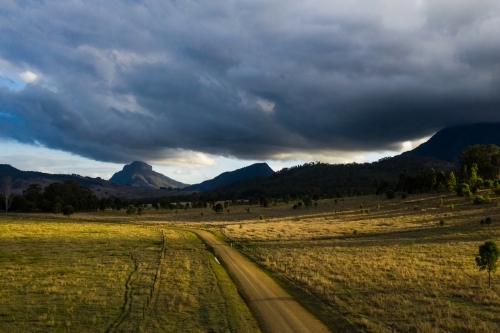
261, 217
131, 210
463, 190
479, 200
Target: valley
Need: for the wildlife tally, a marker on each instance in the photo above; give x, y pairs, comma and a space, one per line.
388, 265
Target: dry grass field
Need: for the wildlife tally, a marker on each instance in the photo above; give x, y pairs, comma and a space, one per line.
394, 267
363, 264
77, 276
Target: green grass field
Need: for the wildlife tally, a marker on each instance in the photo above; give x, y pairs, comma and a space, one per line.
76, 276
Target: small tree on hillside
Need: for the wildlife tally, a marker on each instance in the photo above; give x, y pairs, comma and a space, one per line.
488, 258
431, 178
57, 208
7, 193
451, 181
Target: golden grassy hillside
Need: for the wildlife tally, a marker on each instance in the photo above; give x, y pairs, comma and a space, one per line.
395, 266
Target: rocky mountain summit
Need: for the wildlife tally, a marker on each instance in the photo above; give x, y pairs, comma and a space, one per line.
141, 174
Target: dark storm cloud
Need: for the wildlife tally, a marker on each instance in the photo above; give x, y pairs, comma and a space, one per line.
118, 80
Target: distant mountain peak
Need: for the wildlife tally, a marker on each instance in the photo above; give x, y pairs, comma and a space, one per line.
138, 165
141, 174
228, 177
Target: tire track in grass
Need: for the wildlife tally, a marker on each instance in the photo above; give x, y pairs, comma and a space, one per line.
127, 304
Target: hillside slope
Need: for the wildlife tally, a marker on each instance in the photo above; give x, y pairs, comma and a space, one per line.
327, 179
448, 143
251, 171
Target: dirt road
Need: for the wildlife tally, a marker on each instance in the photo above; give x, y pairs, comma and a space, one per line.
275, 308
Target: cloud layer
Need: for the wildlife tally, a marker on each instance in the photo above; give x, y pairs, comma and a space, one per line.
127, 80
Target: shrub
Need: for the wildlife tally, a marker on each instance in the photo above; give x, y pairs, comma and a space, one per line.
482, 222
390, 194
452, 206
441, 223
295, 206
463, 190
404, 195
488, 220
261, 217
355, 232
488, 183
131, 210
378, 206
482, 200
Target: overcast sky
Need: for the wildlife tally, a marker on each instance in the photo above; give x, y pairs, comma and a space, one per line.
199, 87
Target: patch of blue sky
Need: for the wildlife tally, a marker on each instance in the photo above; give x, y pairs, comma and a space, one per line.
11, 84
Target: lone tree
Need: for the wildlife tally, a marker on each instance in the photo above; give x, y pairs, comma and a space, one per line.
488, 258
7, 192
68, 210
218, 208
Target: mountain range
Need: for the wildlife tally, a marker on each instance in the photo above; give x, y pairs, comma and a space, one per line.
138, 180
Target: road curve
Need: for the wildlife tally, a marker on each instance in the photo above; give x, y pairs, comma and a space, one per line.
276, 309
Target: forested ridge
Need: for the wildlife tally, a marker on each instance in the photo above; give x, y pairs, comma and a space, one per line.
331, 179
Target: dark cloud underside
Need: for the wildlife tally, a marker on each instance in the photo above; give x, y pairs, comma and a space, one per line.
119, 80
